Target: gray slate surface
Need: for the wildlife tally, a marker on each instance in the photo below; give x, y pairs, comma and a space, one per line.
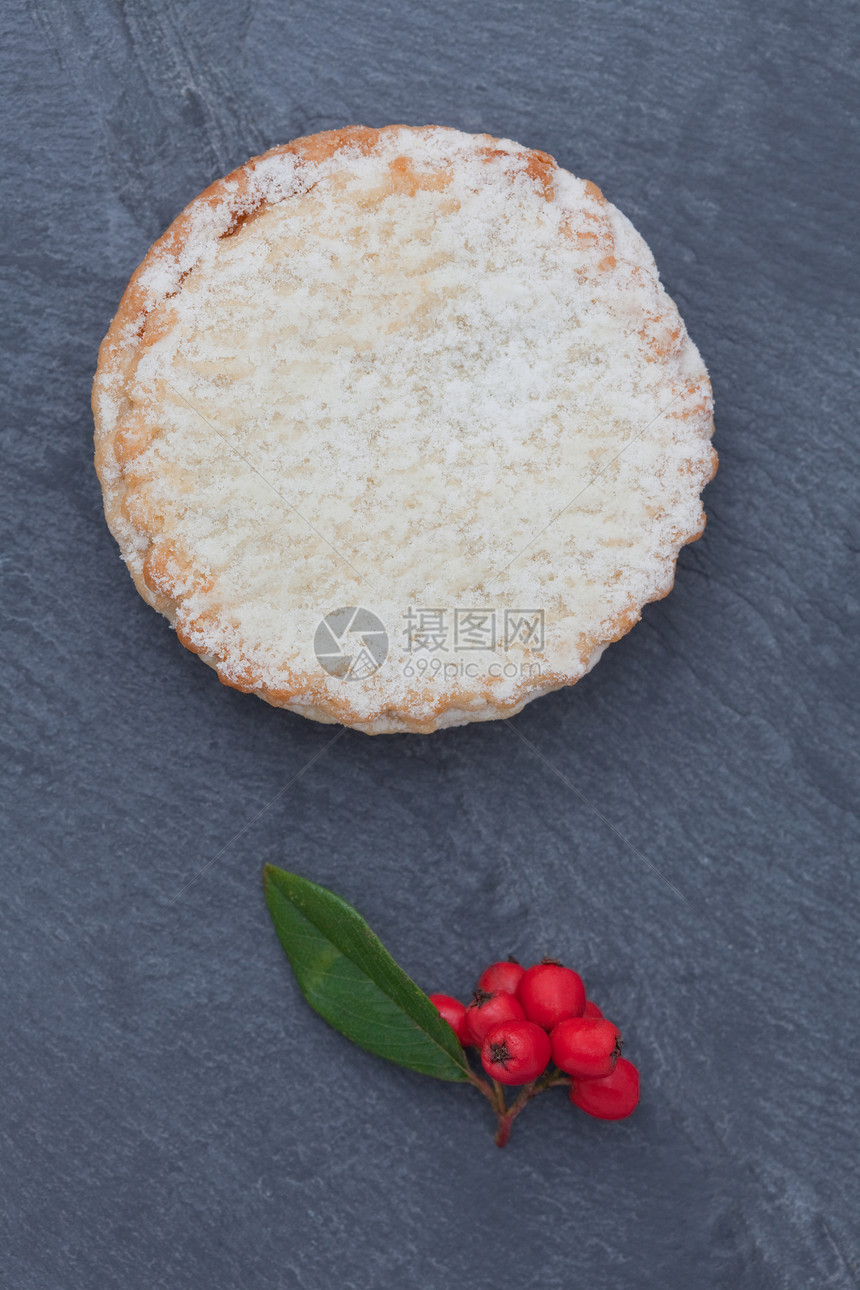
173, 1114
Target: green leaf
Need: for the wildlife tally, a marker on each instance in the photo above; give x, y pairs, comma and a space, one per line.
348, 976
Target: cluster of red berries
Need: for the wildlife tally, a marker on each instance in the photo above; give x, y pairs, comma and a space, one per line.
521, 1019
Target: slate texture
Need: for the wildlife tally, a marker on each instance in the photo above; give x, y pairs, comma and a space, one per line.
680, 824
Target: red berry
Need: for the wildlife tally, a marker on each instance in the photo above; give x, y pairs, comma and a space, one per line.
504, 977
487, 1009
587, 1047
591, 1009
454, 1013
610, 1098
549, 993
515, 1052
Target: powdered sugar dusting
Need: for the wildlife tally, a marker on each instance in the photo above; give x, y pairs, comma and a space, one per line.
402, 377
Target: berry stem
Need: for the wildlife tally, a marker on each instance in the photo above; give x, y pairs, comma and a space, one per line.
552, 1079
549, 1079
505, 1115
490, 1091
503, 1132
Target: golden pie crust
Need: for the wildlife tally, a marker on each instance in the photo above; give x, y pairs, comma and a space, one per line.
424, 372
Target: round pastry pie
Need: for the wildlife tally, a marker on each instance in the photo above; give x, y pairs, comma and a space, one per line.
399, 429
